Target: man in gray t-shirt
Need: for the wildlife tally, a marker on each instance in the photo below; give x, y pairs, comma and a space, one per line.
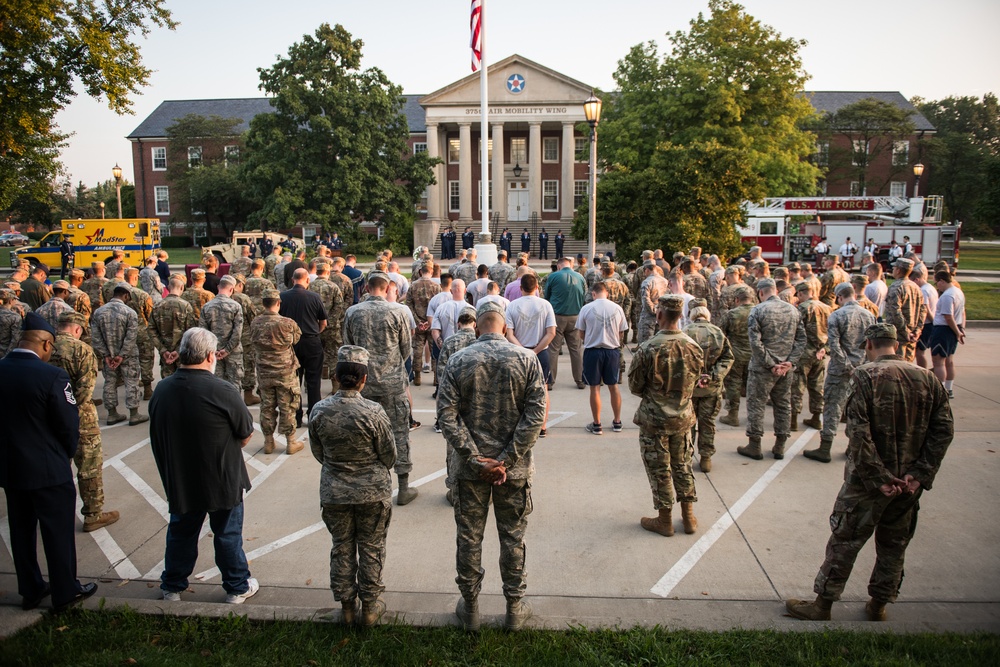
601, 325
531, 323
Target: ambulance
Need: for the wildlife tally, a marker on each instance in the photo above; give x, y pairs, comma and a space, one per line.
94, 241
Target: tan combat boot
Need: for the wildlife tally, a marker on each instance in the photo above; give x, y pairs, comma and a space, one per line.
293, 445
751, 450
705, 463
732, 418
778, 451
135, 417
406, 495
468, 613
518, 612
269, 444
348, 611
818, 610
114, 417
687, 516
793, 424
822, 453
105, 519
249, 398
371, 612
662, 524
816, 421
875, 609
416, 378
147, 392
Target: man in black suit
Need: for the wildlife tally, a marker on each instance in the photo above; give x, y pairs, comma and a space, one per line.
468, 239
560, 240
525, 241
35, 471
66, 254
543, 244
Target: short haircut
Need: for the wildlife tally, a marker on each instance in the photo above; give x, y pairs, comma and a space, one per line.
378, 282
529, 283
943, 276
196, 344
349, 374
299, 274
121, 290
269, 302
482, 270
599, 286
466, 318
446, 279
176, 284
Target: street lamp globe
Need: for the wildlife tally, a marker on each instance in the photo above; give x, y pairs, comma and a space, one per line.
117, 172
918, 170
592, 109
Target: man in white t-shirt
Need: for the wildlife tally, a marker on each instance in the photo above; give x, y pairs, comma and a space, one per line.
930, 295
402, 284
876, 288
493, 294
438, 300
445, 320
531, 323
602, 324
949, 329
477, 289
676, 284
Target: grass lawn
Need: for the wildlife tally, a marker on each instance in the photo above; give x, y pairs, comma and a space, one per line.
127, 638
982, 300
984, 257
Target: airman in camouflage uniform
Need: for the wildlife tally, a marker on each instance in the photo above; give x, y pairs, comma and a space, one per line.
421, 291
900, 426
352, 438
734, 326
241, 265
273, 338
257, 284
491, 436
653, 286
79, 301
56, 306
78, 360
664, 372
466, 271
810, 372
731, 293
384, 330
117, 260
847, 326
149, 281
833, 276
224, 317
10, 322
197, 295
250, 311
811, 278
333, 302
905, 309
270, 262
170, 319
695, 284
464, 336
707, 397
142, 304
501, 273
115, 279
115, 327
777, 340
860, 282
632, 280
94, 286
338, 278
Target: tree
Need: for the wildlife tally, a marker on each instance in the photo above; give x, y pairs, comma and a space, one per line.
965, 154
202, 167
47, 47
334, 152
871, 128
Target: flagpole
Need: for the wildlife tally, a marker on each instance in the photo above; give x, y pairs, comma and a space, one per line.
486, 250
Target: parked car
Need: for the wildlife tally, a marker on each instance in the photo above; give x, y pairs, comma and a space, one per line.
13, 239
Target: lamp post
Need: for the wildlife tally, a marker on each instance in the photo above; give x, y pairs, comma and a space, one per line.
117, 173
102, 210
592, 110
918, 170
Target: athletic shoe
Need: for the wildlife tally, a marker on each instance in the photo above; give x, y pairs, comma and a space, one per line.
171, 596
426, 368
594, 428
616, 427
240, 598
541, 434
437, 427
414, 425
951, 393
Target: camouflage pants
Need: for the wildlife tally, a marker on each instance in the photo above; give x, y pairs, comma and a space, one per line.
89, 460
230, 369
420, 338
835, 390
667, 457
736, 384
397, 408
166, 370
857, 514
512, 504
633, 320
810, 374
706, 409
249, 382
128, 371
908, 351
358, 552
760, 386
281, 396
145, 357
331, 339
646, 327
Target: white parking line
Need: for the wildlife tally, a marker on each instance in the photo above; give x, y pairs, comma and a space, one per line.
109, 547
682, 567
144, 489
118, 457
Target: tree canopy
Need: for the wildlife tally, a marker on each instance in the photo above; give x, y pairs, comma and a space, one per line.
47, 47
334, 152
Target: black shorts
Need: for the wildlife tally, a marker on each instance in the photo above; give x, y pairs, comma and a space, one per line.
543, 359
944, 342
924, 342
601, 365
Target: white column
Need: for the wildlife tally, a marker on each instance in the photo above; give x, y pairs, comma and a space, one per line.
465, 184
499, 182
534, 168
434, 191
568, 164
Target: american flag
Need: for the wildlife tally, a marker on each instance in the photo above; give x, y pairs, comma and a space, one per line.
477, 34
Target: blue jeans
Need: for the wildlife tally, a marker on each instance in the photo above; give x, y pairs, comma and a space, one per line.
182, 549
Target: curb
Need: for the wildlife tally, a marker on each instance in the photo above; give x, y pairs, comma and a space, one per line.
982, 324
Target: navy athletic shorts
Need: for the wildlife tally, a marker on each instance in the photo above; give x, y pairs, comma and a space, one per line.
944, 342
601, 365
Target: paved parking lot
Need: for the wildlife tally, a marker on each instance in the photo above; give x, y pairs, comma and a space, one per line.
763, 527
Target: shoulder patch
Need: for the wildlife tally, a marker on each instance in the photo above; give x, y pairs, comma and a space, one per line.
68, 392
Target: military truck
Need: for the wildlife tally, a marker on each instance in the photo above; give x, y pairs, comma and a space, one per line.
227, 252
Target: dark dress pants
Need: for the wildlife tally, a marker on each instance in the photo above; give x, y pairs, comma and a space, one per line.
309, 352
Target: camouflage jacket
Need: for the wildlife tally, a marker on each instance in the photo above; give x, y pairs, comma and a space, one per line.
224, 317
718, 355
466, 271
255, 287
272, 337
650, 291
501, 422
900, 423
869, 305
197, 297
814, 314
419, 295
461, 339
904, 309
696, 285
115, 327
108, 290
241, 266
734, 326
332, 298
170, 319
270, 262
846, 329
149, 280
618, 292
384, 331
828, 283
94, 287
142, 304
249, 313
502, 274
346, 287
664, 372
352, 438
776, 334
79, 301
10, 330
52, 309
80, 363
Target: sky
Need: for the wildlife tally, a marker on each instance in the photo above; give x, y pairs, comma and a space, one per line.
923, 48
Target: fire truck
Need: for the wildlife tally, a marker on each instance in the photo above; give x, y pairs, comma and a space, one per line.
788, 228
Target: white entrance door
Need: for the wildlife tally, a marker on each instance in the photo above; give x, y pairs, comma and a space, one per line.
517, 203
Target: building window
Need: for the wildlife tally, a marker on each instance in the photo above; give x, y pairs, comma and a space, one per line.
550, 149
518, 150
162, 195
232, 154
419, 147
454, 150
822, 156
859, 153
159, 159
580, 190
479, 151
454, 196
582, 149
194, 156
550, 195
855, 189
900, 153
897, 189
479, 191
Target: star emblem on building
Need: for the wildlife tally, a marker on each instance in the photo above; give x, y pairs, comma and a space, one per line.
515, 83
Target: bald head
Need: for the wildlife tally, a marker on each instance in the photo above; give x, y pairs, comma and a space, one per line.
300, 277
458, 289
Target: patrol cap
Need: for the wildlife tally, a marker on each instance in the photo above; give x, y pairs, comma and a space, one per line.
904, 263
844, 289
238, 277
73, 317
76, 273
13, 286
271, 294
60, 284
765, 283
732, 268
228, 280
648, 264
794, 266
671, 302
351, 354
7, 294
880, 330
35, 322
97, 265
488, 307
379, 274
803, 286
698, 303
